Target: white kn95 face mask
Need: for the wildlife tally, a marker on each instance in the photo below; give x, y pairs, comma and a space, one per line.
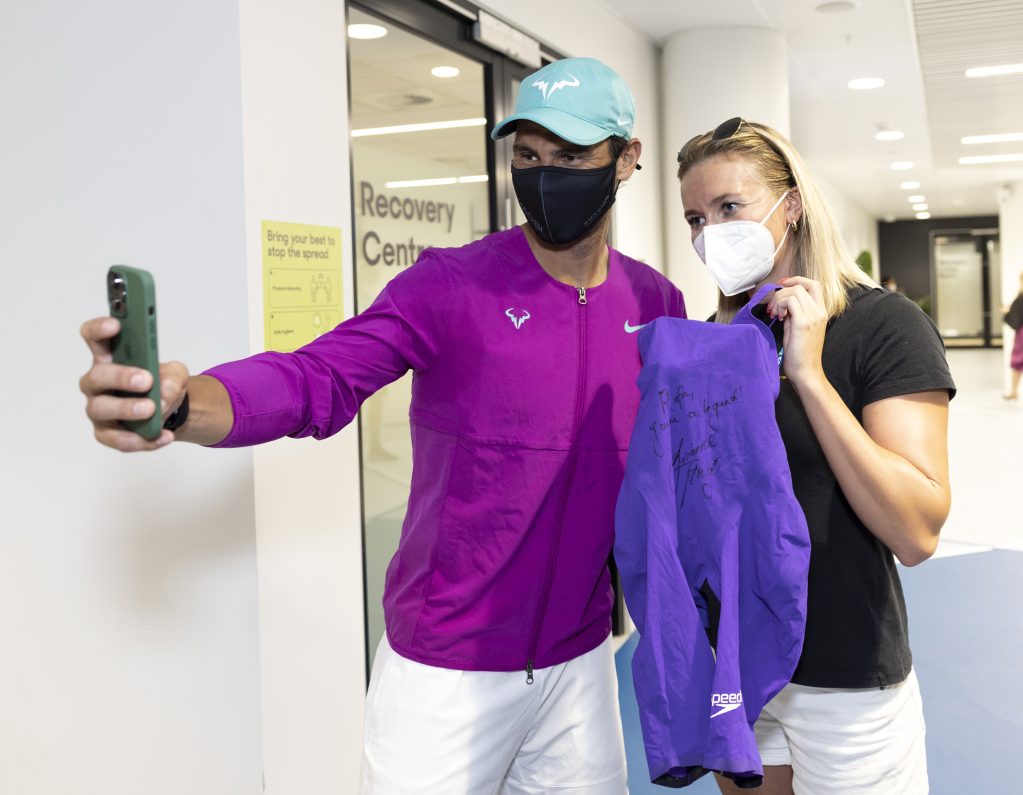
739, 254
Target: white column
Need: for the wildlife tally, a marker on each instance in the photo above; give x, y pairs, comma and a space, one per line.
1010, 225
709, 75
308, 513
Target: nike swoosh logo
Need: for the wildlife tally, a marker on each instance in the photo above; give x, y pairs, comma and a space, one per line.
726, 708
622, 122
632, 329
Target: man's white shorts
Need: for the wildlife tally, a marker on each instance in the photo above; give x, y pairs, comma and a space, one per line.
447, 732
846, 742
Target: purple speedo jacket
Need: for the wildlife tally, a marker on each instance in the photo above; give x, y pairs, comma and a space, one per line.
523, 399
712, 547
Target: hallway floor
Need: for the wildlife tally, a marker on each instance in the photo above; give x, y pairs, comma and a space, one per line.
966, 622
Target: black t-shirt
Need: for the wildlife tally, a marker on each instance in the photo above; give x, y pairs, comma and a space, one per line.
857, 635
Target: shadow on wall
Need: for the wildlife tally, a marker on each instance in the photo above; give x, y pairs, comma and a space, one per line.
160, 556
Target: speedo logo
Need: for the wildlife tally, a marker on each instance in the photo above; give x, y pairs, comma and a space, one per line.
725, 702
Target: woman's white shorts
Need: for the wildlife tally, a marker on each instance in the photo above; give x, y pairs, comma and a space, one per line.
846, 742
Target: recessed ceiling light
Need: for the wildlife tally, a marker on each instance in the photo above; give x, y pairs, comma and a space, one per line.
916, 197
835, 6
902, 165
911, 185
992, 71
890, 135
420, 183
865, 83
999, 138
366, 31
923, 216
920, 206
445, 71
427, 183
973, 160
421, 127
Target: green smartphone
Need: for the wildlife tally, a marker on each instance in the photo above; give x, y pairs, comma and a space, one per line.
131, 294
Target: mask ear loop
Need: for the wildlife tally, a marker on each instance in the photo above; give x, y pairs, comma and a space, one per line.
787, 226
775, 207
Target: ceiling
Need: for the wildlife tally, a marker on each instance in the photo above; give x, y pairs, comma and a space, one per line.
921, 48
391, 84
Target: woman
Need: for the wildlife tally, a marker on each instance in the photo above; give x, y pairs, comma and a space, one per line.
863, 412
1014, 319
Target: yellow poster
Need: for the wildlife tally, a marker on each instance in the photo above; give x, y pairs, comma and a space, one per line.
301, 283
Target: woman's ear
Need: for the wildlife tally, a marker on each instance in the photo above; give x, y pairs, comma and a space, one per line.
794, 207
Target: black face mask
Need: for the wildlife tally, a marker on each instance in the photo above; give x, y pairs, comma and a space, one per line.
562, 204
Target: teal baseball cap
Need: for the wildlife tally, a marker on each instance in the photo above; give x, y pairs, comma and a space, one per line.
578, 99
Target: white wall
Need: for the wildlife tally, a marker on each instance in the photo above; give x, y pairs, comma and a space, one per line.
858, 227
596, 32
128, 616
308, 520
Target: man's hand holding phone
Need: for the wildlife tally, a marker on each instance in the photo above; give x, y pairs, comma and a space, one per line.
127, 380
107, 410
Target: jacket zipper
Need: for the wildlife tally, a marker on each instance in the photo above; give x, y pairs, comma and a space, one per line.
573, 460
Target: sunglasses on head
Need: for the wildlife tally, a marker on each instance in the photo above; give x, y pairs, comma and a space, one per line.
724, 130
727, 128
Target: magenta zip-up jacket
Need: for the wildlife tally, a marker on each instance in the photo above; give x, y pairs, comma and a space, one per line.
523, 399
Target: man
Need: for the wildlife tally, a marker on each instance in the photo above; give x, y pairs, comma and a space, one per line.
496, 673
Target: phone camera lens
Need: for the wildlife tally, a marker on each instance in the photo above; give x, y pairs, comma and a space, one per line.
116, 290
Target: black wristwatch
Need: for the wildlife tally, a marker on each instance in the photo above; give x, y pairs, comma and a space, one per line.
178, 417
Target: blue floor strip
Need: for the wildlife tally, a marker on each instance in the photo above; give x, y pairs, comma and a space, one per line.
966, 630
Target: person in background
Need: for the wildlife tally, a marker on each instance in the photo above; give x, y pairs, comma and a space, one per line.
889, 283
1014, 319
496, 673
863, 413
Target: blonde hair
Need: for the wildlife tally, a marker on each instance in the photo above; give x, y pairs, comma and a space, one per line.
818, 251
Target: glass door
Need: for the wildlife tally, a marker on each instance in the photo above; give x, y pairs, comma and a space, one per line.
965, 271
959, 310
420, 178
510, 77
